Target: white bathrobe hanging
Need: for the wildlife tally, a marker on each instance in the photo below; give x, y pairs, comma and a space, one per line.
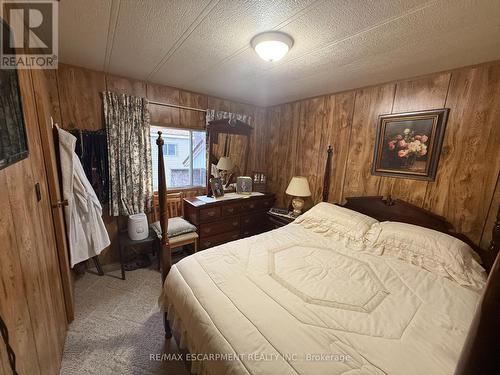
84, 225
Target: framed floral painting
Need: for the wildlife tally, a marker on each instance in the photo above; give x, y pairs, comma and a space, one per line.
408, 144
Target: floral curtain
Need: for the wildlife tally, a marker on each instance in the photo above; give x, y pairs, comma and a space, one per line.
129, 153
213, 114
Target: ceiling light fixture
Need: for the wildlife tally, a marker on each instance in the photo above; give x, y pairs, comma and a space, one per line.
272, 45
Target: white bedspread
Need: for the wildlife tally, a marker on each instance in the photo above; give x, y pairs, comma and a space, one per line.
291, 301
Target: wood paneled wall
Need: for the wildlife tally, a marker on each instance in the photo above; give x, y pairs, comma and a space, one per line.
75, 96
291, 139
466, 189
31, 297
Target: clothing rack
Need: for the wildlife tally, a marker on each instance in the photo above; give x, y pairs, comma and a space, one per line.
177, 106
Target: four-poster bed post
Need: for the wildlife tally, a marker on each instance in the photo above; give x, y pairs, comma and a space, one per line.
326, 176
165, 258
164, 253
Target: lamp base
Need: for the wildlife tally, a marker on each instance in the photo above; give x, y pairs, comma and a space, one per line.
298, 205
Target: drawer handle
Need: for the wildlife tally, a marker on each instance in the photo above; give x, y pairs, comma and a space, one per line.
207, 230
211, 213
252, 205
208, 243
234, 236
246, 233
247, 221
235, 223
230, 210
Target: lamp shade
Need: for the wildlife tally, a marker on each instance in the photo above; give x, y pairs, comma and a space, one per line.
225, 164
298, 187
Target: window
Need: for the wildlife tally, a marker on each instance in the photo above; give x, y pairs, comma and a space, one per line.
184, 155
170, 149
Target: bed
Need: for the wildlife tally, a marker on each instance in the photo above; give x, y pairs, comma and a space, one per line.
339, 291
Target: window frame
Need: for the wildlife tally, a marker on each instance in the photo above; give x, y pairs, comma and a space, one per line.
166, 152
190, 130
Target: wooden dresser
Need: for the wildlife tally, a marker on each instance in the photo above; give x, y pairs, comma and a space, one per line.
228, 220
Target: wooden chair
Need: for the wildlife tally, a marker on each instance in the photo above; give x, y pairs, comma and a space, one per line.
175, 208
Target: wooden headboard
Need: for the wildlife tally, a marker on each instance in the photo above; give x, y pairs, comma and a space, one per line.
388, 209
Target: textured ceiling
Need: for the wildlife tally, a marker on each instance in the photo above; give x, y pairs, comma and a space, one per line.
203, 45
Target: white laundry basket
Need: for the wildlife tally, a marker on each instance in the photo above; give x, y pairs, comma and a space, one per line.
138, 227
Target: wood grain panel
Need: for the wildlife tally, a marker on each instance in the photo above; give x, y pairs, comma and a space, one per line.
369, 104
43, 107
219, 104
491, 218
36, 246
30, 246
309, 142
49, 261
273, 153
161, 115
470, 160
257, 154
422, 93
291, 119
51, 91
419, 94
336, 132
14, 307
192, 119
80, 97
127, 86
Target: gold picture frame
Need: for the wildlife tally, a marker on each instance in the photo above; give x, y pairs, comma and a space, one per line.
408, 145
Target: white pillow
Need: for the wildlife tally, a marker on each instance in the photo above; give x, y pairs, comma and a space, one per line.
434, 251
341, 223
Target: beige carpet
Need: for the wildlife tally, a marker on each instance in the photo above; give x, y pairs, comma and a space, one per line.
118, 325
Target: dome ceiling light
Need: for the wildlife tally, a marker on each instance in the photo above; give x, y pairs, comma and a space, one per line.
272, 45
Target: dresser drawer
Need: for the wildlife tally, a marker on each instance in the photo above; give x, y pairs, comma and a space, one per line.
267, 203
222, 226
231, 209
210, 213
249, 221
218, 239
251, 205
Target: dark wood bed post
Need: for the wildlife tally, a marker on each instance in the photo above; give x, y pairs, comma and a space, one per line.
480, 352
165, 255
326, 177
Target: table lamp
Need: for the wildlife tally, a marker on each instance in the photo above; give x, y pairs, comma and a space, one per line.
225, 164
298, 187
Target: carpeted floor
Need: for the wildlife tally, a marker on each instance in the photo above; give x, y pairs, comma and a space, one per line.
118, 326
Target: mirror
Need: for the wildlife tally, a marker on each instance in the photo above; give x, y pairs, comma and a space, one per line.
228, 147
233, 146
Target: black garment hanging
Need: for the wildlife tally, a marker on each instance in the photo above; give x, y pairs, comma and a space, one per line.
92, 149
10, 352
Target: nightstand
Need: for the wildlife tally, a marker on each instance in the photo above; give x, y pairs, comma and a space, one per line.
277, 221
125, 242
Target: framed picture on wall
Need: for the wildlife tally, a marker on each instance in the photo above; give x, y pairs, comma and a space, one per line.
408, 145
13, 141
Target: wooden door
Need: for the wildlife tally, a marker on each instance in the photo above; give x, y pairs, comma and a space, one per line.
44, 109
31, 297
